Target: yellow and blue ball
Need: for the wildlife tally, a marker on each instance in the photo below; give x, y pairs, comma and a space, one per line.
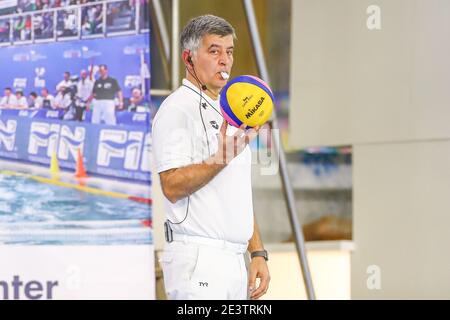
246, 100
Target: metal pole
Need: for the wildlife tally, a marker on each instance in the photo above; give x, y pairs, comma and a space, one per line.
162, 28
80, 21
287, 186
137, 16
162, 38
55, 23
175, 44
11, 30
104, 12
32, 27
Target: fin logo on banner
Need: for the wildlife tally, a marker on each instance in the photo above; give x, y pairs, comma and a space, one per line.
46, 138
8, 134
125, 146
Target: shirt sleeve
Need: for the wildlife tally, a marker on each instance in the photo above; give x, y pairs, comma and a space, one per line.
94, 89
117, 87
172, 140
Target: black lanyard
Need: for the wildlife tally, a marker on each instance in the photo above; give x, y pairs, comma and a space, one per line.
201, 96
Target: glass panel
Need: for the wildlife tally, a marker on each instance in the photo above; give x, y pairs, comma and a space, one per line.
5, 27
43, 25
92, 20
144, 15
120, 17
67, 23
22, 28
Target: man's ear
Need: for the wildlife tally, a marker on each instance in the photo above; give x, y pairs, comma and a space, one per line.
187, 58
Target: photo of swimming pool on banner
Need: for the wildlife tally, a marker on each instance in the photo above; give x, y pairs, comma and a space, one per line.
75, 154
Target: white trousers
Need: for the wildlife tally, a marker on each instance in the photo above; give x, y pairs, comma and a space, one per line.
104, 110
197, 268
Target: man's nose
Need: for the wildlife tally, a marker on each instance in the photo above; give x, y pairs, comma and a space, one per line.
224, 59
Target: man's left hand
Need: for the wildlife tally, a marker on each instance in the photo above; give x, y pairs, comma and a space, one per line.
258, 269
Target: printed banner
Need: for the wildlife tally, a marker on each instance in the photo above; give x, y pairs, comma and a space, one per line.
111, 151
75, 200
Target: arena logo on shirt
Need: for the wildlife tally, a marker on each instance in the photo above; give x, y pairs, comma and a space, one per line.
47, 138
8, 135
122, 148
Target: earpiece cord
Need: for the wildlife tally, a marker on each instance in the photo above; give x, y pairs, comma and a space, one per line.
207, 140
209, 103
194, 75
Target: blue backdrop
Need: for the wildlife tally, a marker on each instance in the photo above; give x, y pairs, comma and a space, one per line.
32, 67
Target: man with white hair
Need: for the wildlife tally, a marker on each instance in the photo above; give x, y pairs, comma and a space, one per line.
205, 173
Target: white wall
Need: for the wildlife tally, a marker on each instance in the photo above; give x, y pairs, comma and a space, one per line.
401, 220
329, 262
386, 93
350, 84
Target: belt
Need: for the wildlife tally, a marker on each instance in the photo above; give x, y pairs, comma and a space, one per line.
216, 243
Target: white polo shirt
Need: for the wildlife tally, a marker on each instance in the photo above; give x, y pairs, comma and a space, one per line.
222, 209
84, 89
8, 102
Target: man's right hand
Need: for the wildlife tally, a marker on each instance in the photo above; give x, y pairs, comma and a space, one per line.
182, 182
231, 146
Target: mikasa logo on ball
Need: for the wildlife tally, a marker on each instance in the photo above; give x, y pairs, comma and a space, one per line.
252, 111
247, 100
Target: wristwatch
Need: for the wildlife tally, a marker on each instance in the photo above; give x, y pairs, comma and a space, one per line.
262, 253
